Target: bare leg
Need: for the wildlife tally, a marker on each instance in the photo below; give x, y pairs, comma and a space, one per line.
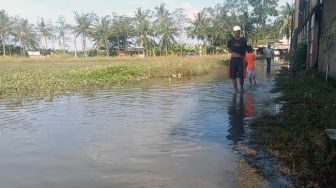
254, 81
234, 83
241, 81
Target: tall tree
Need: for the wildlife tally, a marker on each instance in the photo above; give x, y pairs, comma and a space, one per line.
199, 25
5, 28
127, 28
164, 27
62, 29
117, 35
285, 20
45, 31
262, 9
83, 28
102, 32
25, 34
181, 24
144, 30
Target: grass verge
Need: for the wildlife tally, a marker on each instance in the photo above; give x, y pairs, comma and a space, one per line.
296, 135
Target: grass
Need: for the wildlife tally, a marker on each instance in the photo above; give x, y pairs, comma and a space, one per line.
38, 78
296, 135
248, 177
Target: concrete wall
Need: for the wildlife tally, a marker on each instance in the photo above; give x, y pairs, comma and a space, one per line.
327, 47
296, 14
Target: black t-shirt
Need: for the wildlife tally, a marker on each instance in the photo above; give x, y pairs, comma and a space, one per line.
237, 45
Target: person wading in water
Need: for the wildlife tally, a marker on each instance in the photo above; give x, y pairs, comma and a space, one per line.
237, 47
269, 53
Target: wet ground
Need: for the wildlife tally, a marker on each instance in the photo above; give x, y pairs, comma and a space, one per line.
150, 134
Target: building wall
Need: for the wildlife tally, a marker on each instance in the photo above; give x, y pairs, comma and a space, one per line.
296, 14
327, 47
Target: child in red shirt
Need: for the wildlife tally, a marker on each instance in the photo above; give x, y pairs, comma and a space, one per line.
250, 58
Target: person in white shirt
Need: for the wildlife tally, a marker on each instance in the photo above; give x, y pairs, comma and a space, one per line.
269, 54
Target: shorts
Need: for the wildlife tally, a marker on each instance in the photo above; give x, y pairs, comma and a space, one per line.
237, 68
250, 73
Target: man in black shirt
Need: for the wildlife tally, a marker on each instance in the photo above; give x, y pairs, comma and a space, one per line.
237, 47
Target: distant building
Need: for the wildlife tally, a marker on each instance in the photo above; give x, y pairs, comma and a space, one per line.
41, 53
138, 52
315, 25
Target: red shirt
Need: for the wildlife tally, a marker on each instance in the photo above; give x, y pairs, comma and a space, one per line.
250, 58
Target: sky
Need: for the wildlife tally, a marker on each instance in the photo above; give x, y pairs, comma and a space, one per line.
33, 10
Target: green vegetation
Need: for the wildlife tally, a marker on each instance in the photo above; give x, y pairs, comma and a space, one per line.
296, 135
22, 77
160, 31
300, 56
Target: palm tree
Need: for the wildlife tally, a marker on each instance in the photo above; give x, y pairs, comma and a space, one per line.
198, 28
116, 31
165, 27
5, 28
102, 32
247, 23
143, 29
46, 31
222, 24
82, 28
285, 20
25, 34
61, 30
126, 28
181, 21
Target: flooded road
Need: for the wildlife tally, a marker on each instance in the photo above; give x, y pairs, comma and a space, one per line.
149, 134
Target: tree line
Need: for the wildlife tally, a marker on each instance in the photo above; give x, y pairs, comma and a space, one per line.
159, 31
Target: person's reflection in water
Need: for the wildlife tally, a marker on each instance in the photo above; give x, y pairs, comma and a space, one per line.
249, 105
236, 113
268, 71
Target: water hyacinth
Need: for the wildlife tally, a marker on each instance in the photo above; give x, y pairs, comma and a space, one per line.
39, 78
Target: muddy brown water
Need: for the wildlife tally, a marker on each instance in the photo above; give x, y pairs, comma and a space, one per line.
148, 134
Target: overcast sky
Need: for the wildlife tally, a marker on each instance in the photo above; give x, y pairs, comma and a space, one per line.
51, 9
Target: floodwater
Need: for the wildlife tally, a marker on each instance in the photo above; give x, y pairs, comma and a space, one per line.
149, 134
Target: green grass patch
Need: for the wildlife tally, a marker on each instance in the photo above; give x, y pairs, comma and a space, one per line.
297, 134
38, 78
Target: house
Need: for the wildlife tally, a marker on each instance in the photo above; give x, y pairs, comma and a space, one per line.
41, 53
33, 54
315, 25
138, 52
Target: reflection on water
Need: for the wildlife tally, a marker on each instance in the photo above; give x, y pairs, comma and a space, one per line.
151, 134
236, 113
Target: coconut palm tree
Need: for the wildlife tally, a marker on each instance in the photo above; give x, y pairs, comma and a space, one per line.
82, 28
25, 34
45, 31
285, 20
127, 28
102, 32
61, 31
5, 28
143, 29
116, 31
198, 28
181, 23
164, 27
